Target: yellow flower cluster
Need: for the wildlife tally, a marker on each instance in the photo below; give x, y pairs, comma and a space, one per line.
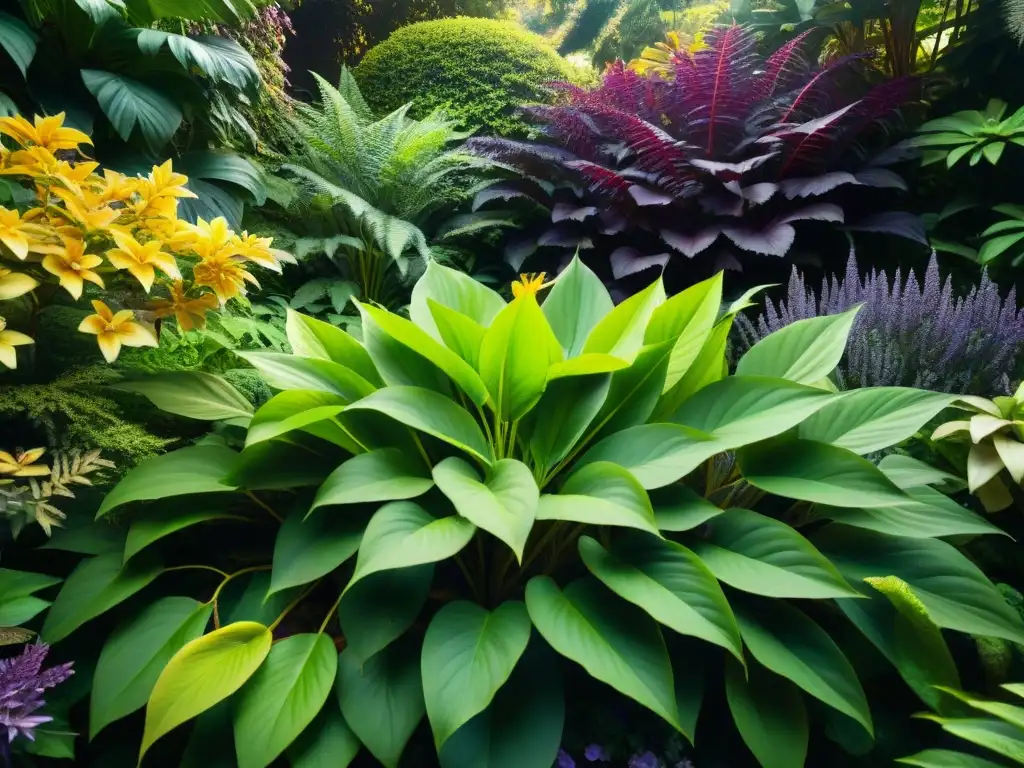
97, 228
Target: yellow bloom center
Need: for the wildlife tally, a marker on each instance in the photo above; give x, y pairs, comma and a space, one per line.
3, 324
528, 284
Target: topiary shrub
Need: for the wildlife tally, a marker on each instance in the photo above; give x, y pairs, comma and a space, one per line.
478, 70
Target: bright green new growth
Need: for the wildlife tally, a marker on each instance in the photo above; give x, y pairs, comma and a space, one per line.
978, 134
505, 459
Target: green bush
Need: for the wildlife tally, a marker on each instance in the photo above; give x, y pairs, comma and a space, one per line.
479, 71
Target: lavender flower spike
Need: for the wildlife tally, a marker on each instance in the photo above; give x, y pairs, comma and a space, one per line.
596, 753
646, 760
22, 682
565, 760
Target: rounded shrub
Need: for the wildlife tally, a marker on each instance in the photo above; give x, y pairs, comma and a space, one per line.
478, 70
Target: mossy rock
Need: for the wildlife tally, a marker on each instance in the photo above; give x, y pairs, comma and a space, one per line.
479, 71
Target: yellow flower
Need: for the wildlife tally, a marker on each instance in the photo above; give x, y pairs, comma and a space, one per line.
73, 176
87, 211
190, 313
34, 161
164, 182
207, 238
529, 285
14, 284
18, 234
225, 275
72, 266
48, 132
22, 463
154, 207
112, 331
258, 250
8, 341
117, 186
141, 258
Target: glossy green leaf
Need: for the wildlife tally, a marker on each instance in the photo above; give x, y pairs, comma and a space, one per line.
455, 290
17, 605
614, 641
819, 473
403, 534
203, 673
805, 351
136, 653
669, 583
515, 355
770, 715
246, 599
154, 524
576, 303
380, 608
656, 454
308, 548
382, 698
942, 758
18, 40
765, 556
128, 104
220, 59
1002, 738
633, 393
461, 334
678, 508
292, 410
194, 394
908, 472
272, 465
708, 367
283, 697
386, 474
432, 413
196, 469
286, 372
468, 655
94, 587
600, 494
564, 412
686, 319
310, 337
398, 365
328, 742
867, 420
788, 643
620, 333
585, 365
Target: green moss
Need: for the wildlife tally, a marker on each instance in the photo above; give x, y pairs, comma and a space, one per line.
249, 383
478, 70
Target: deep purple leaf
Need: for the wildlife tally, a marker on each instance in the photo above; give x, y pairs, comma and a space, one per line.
897, 153
880, 177
761, 193
566, 212
899, 223
731, 171
817, 212
644, 196
628, 261
518, 250
774, 240
565, 236
691, 243
812, 186
601, 179
721, 205
508, 190
612, 223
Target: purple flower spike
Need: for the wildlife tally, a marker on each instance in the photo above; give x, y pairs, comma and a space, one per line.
646, 760
565, 760
22, 682
596, 753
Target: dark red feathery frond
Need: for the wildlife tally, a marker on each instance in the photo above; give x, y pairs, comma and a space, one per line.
809, 143
621, 88
653, 149
601, 179
817, 95
571, 125
784, 68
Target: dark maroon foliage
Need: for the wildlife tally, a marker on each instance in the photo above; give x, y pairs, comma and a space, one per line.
726, 157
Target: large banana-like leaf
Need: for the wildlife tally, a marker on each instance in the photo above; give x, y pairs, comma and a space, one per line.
127, 103
18, 40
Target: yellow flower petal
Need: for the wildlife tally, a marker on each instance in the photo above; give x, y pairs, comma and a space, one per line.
134, 334
15, 284
93, 324
8, 356
110, 345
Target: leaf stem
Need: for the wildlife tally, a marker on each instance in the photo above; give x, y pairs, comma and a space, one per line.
469, 578
291, 606
265, 506
196, 567
327, 618
227, 578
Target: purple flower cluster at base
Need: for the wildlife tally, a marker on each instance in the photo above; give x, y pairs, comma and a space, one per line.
22, 683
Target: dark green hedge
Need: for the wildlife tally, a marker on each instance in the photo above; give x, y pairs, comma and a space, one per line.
478, 70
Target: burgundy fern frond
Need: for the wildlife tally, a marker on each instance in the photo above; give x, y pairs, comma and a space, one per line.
620, 88
880, 102
601, 179
653, 149
573, 127
809, 142
784, 68
816, 95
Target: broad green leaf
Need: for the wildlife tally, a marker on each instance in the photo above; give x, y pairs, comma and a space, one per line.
708, 367
223, 165
327, 742
740, 410
783, 639
154, 524
764, 556
805, 351
282, 697
211, 743
503, 503
308, 548
678, 508
378, 610
686, 319
19, 610
614, 641
769, 713
585, 365
908, 472
1008, 713
87, 537
746, 299
421, 343
942, 758
819, 473
461, 334
867, 420
382, 698
432, 413
898, 625
620, 333
295, 409
18, 40
656, 454
455, 290
1002, 738
956, 594
577, 302
247, 599
398, 365
403, 534
196, 469
515, 355
926, 514
286, 372
94, 587
221, 59
600, 494
468, 655
564, 412
997, 246
194, 394
17, 605
203, 673
128, 104
387, 474
136, 653
633, 393
276, 465
310, 337
669, 583
522, 727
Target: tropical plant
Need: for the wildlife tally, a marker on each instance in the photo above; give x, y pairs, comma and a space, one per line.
140, 91
367, 189
75, 224
500, 484
23, 681
1004, 236
478, 71
907, 333
971, 133
733, 145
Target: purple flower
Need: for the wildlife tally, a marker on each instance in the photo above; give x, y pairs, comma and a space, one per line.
22, 682
596, 753
646, 760
565, 760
